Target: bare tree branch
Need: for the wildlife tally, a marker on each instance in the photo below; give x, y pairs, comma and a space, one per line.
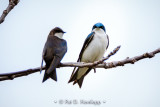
128, 60
11, 5
97, 64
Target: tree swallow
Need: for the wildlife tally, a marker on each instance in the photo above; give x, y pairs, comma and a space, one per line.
53, 52
93, 49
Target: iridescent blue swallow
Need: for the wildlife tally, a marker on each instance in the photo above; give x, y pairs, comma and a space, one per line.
93, 49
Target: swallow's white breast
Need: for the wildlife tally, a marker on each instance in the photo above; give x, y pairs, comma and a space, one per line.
96, 49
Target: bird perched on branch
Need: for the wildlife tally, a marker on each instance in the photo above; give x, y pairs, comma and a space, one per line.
53, 52
93, 49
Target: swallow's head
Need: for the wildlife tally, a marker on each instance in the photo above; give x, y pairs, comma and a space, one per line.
99, 26
57, 32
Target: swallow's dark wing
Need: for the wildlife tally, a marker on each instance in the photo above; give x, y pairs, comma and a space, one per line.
108, 41
85, 45
43, 54
54, 53
58, 53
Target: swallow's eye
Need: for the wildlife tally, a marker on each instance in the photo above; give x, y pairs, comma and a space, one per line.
94, 26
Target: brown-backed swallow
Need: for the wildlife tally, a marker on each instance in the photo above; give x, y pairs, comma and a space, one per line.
53, 52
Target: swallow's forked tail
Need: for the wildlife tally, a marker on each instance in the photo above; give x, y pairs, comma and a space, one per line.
75, 74
52, 75
51, 69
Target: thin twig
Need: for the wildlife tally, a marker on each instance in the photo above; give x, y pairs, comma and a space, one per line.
11, 5
129, 60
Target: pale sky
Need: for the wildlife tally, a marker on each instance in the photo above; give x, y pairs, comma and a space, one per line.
133, 24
